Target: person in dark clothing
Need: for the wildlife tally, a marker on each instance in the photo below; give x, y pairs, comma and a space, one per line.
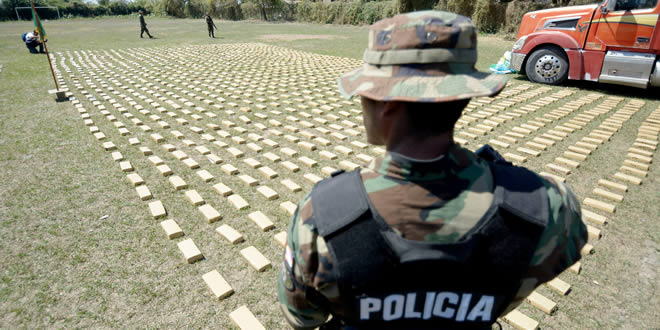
143, 26
210, 25
32, 42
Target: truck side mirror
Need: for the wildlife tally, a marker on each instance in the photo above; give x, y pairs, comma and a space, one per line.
608, 7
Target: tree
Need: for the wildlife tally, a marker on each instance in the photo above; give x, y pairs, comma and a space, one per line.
196, 8
175, 8
405, 6
118, 7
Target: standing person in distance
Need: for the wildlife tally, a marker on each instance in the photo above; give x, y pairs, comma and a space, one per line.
143, 25
210, 25
431, 235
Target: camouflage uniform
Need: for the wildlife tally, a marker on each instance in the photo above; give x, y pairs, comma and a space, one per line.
426, 56
436, 200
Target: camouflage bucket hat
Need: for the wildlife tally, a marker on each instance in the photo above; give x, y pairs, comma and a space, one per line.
425, 56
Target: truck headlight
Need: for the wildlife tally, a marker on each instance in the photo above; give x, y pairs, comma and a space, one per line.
520, 43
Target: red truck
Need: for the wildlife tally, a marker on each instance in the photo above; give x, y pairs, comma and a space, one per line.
613, 42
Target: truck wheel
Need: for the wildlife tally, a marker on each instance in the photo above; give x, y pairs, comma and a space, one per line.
547, 65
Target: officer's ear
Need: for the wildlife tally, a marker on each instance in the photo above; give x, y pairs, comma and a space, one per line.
392, 108
392, 119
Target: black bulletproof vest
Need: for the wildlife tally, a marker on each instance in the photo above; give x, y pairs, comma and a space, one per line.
388, 282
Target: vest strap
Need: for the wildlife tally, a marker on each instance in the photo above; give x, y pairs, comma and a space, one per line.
338, 201
354, 238
521, 192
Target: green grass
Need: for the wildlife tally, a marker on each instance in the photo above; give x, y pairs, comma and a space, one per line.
65, 265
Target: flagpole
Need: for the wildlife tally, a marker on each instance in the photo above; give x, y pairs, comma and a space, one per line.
46, 48
51, 67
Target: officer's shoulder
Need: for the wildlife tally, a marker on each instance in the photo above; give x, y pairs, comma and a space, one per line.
516, 177
339, 191
304, 210
334, 178
336, 183
522, 179
559, 195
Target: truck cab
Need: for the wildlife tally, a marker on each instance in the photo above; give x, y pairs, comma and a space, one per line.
613, 42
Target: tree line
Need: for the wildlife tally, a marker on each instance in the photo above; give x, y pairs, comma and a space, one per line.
489, 15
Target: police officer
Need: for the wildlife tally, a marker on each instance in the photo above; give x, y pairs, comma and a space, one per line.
143, 25
210, 25
431, 235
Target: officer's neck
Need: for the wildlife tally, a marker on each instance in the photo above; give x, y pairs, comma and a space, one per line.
427, 147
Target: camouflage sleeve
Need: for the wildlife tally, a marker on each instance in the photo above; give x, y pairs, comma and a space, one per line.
560, 244
300, 302
564, 237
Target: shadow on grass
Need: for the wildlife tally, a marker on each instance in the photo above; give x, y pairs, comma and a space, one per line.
648, 94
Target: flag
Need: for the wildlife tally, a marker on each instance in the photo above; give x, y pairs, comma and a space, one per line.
37, 25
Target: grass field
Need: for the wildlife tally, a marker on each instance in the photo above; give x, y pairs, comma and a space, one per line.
80, 249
